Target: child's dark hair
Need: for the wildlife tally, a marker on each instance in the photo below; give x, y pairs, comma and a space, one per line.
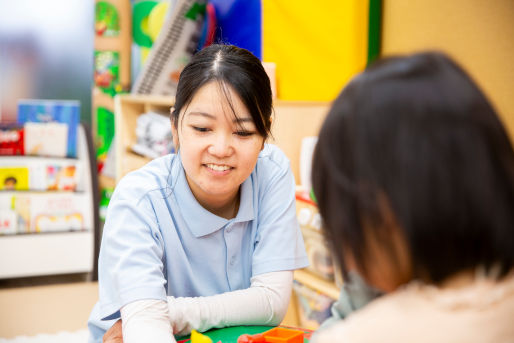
418, 131
229, 66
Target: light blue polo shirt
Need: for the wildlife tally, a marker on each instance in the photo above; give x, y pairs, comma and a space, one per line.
158, 240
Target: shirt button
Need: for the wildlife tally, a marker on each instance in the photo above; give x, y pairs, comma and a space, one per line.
229, 229
232, 260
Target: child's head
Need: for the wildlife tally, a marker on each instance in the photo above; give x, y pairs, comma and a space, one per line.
230, 67
414, 174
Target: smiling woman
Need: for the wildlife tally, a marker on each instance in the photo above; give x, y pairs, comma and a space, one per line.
219, 149
206, 237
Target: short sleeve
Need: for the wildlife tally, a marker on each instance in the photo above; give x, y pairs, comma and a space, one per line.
132, 249
279, 243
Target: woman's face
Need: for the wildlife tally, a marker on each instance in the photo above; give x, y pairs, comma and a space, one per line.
218, 150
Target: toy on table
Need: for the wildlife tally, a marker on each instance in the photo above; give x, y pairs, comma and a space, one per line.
197, 337
257, 338
275, 335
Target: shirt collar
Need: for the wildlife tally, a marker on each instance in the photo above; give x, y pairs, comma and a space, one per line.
200, 221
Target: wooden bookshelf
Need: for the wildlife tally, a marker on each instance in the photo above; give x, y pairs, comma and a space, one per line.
127, 108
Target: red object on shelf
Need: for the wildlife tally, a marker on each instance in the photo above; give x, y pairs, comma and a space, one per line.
11, 141
300, 195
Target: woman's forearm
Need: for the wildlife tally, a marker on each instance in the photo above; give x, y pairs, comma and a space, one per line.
265, 302
146, 321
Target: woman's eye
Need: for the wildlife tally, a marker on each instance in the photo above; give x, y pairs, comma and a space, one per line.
200, 129
244, 133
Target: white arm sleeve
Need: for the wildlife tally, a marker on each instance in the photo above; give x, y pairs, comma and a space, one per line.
265, 302
146, 321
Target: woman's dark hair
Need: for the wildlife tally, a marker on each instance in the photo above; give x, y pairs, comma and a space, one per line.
229, 66
418, 131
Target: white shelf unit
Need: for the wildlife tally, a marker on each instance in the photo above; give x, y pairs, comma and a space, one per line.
63, 252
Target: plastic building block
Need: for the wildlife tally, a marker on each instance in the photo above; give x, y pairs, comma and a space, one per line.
282, 335
257, 338
197, 337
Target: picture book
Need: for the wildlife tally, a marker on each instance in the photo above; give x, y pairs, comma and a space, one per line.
45, 212
57, 212
11, 140
55, 176
52, 111
8, 222
46, 139
61, 177
14, 178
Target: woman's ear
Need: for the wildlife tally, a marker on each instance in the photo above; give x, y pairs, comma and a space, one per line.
174, 131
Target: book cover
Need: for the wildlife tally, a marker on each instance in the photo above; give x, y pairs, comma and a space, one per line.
53, 111
61, 177
50, 212
11, 140
46, 139
14, 178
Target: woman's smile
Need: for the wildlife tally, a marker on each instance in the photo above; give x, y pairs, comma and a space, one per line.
219, 169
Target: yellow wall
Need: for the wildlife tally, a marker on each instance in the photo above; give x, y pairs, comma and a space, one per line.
317, 46
479, 34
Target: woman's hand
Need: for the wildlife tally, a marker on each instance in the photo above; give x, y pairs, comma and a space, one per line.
114, 334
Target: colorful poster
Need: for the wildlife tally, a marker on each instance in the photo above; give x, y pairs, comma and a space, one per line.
106, 20
107, 72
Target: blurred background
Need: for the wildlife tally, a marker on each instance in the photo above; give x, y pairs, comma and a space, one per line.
86, 85
45, 52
